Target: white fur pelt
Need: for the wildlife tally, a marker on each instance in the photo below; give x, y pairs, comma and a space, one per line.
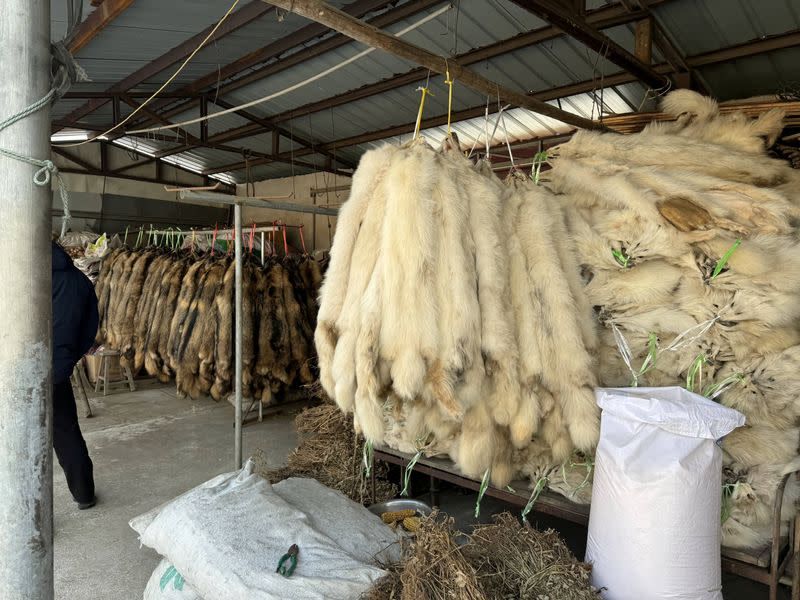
336, 282
687, 238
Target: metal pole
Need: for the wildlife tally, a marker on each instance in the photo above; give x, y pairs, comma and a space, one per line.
26, 464
237, 224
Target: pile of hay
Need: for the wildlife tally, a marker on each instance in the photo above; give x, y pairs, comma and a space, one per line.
331, 452
499, 561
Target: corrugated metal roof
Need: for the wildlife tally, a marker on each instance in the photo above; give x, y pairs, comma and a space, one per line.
150, 28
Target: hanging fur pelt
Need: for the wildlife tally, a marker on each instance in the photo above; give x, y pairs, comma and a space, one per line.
439, 342
172, 314
686, 235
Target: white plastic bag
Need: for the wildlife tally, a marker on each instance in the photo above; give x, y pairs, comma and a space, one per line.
166, 583
227, 536
654, 527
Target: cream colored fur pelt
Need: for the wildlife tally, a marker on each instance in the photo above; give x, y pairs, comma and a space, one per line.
686, 234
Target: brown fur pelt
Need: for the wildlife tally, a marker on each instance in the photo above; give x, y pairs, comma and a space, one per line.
172, 314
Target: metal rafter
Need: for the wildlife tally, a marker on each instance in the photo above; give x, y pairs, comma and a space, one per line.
319, 11
304, 35
248, 13
600, 18
752, 48
576, 26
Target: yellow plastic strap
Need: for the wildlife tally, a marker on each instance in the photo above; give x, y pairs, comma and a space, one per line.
425, 91
449, 82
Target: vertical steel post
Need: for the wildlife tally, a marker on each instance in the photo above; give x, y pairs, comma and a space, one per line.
26, 465
237, 225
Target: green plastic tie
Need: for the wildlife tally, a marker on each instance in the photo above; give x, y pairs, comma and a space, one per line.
728, 490
482, 491
695, 372
538, 160
541, 483
407, 473
725, 258
715, 389
368, 458
622, 258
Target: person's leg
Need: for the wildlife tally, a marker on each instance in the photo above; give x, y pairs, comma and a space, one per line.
70, 447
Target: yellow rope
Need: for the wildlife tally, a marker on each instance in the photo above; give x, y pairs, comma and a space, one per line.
449, 82
425, 91
164, 85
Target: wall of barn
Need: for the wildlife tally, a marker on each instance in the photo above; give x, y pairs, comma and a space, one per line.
318, 230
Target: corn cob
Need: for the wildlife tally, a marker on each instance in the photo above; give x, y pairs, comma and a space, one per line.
398, 515
411, 524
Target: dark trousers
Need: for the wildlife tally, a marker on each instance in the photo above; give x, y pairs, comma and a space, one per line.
69, 444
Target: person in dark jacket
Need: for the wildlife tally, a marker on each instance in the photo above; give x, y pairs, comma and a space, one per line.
75, 322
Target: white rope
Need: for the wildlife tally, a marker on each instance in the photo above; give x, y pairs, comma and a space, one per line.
291, 88
163, 86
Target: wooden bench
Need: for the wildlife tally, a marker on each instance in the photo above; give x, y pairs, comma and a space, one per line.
771, 565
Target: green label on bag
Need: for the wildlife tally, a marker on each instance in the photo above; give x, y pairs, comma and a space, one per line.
172, 574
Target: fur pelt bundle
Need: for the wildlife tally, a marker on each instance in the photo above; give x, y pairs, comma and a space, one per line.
172, 314
452, 317
686, 235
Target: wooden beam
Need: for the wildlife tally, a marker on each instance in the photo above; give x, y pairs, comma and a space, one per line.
576, 26
643, 45
248, 13
319, 11
96, 22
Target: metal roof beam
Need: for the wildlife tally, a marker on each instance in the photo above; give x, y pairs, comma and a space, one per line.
319, 11
601, 18
576, 26
98, 20
248, 13
758, 46
268, 125
304, 35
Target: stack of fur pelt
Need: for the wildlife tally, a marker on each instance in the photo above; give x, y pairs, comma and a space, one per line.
687, 236
172, 314
452, 319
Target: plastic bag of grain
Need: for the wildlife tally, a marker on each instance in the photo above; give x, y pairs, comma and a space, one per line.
167, 584
654, 527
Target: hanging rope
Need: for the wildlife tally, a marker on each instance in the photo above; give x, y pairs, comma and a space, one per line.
425, 91
64, 71
449, 83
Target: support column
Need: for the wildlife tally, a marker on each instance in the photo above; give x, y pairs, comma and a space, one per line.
26, 465
237, 444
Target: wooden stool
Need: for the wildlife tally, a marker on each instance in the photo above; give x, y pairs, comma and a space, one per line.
102, 374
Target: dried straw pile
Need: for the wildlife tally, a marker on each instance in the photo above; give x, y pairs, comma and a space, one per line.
331, 452
498, 561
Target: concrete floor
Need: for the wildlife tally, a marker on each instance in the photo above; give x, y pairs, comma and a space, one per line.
149, 446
